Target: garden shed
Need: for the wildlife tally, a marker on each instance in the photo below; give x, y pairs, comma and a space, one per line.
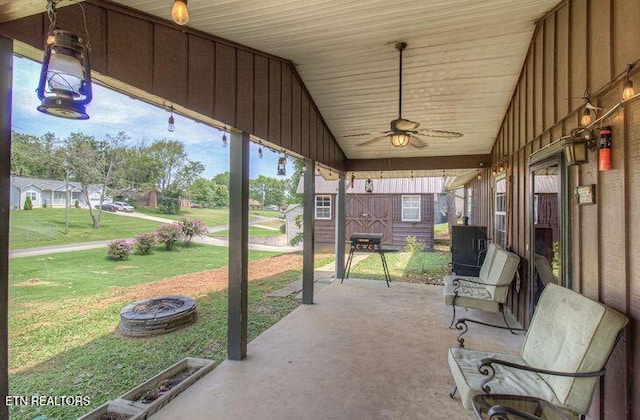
395, 207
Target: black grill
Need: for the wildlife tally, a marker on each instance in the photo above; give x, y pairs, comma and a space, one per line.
366, 241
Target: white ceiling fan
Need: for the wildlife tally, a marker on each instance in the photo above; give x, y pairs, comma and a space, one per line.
405, 132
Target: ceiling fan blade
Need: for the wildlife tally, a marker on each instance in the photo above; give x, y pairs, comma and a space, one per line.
416, 142
430, 132
373, 140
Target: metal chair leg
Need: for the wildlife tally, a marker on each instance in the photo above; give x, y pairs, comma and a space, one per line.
504, 316
453, 319
452, 394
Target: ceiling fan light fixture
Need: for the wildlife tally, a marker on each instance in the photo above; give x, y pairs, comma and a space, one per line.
400, 139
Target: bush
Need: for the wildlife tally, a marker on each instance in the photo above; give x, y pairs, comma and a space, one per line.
119, 249
44, 204
169, 235
144, 242
168, 205
191, 228
414, 245
283, 228
76, 204
28, 205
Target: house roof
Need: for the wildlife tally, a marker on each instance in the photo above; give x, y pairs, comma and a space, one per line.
432, 185
44, 184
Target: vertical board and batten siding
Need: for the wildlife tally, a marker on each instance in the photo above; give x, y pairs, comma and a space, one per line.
582, 46
238, 86
389, 208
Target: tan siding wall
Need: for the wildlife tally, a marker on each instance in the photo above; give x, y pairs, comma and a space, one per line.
583, 45
235, 85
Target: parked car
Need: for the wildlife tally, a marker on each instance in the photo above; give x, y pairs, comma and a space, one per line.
107, 207
122, 206
272, 207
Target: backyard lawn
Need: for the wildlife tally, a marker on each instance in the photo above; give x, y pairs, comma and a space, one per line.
210, 217
413, 267
43, 227
64, 311
253, 231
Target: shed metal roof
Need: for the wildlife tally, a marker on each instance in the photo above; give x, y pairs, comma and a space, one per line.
380, 186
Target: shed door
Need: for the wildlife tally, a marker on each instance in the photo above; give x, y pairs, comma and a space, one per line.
369, 214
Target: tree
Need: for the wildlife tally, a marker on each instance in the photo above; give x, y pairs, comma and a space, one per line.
37, 157
269, 191
292, 196
208, 193
92, 164
170, 156
222, 179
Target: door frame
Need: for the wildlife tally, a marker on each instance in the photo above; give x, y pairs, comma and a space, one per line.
557, 160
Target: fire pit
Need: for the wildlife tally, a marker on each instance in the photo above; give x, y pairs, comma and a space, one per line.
158, 315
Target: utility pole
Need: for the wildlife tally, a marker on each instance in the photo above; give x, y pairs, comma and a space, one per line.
66, 190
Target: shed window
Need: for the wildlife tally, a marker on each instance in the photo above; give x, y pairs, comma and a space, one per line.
323, 207
410, 208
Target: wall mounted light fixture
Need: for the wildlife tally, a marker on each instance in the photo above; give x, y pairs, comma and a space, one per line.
179, 12
575, 151
64, 88
368, 185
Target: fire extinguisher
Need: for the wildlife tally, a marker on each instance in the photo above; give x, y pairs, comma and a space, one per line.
604, 150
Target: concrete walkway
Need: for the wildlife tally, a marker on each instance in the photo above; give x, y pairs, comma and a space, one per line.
362, 351
53, 249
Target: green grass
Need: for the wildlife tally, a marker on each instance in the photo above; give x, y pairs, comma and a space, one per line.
253, 231
417, 267
86, 273
106, 365
266, 213
210, 217
43, 227
440, 227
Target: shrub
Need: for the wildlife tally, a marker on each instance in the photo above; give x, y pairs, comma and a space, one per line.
76, 204
283, 228
168, 205
414, 245
169, 235
28, 205
119, 249
44, 204
191, 228
144, 242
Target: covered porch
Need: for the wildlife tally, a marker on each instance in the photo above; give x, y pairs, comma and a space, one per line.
362, 351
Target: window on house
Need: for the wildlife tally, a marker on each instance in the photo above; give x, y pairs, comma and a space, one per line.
500, 225
410, 208
323, 207
32, 195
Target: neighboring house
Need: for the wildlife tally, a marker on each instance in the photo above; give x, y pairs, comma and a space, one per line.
50, 192
397, 208
254, 204
290, 214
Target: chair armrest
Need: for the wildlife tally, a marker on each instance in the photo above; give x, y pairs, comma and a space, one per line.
457, 280
461, 325
485, 367
501, 412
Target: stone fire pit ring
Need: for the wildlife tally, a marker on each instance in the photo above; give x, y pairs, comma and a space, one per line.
157, 315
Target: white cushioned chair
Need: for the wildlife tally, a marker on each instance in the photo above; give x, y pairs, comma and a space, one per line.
564, 352
489, 290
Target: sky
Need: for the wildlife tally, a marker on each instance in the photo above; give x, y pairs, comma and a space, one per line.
111, 112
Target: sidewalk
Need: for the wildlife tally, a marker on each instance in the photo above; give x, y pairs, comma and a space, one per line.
53, 249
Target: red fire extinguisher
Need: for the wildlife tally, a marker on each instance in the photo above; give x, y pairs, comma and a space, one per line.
604, 152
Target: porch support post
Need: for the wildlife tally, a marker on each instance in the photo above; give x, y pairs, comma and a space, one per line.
308, 221
238, 246
6, 77
340, 226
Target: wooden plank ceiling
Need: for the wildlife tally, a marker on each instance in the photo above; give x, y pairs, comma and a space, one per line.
460, 67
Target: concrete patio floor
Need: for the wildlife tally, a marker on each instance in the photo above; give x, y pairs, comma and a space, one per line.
362, 351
